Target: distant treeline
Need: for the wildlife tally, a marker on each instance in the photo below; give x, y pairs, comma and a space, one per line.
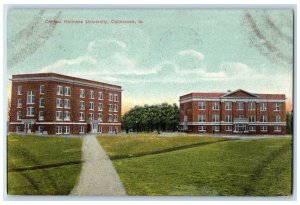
289, 122
149, 118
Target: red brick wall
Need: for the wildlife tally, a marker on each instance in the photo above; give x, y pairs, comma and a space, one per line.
50, 109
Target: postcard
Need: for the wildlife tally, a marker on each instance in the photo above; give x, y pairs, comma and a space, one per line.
150, 102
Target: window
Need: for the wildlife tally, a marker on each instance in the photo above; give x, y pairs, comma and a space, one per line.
110, 118
19, 115
82, 93
215, 118
19, 103
263, 128
67, 91
30, 97
66, 115
66, 129
81, 116
277, 129
42, 89
100, 106
252, 128
115, 108
58, 129
110, 97
41, 115
115, 118
228, 105
18, 129
67, 104
20, 90
91, 116
30, 111
91, 106
228, 128
91, 94
277, 118
228, 118
240, 116
41, 102
252, 118
59, 115
276, 106
263, 118
110, 108
116, 97
263, 106
99, 129
81, 130
240, 105
201, 105
201, 118
82, 105
110, 129
216, 128
251, 106
59, 90
215, 105
41, 129
100, 97
100, 117
201, 128
59, 103
116, 129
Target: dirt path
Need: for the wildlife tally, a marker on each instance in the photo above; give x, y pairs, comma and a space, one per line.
98, 176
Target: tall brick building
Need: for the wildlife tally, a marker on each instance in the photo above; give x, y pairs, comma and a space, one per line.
58, 104
233, 112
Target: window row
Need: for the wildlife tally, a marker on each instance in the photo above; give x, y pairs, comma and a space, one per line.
62, 129
229, 128
111, 118
20, 91
60, 115
240, 106
60, 90
111, 107
63, 103
111, 97
228, 118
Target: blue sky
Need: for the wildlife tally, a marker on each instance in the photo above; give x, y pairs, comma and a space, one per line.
173, 52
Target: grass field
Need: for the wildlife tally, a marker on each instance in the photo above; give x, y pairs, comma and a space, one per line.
42, 165
147, 166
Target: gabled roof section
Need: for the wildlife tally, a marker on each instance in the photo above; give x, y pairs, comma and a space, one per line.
240, 93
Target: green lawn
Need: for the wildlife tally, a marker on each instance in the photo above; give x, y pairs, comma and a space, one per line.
229, 168
39, 165
121, 146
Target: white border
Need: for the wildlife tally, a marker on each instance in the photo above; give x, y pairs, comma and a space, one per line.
139, 200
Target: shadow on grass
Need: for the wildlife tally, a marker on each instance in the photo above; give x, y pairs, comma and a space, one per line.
46, 166
46, 173
257, 171
166, 150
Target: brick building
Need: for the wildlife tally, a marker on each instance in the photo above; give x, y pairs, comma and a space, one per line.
233, 112
59, 104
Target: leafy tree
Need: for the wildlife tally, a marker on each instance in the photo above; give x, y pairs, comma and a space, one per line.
289, 122
148, 118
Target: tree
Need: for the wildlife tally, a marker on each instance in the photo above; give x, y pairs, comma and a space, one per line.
289, 122
149, 117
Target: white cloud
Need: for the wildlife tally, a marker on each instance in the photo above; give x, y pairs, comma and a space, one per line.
60, 63
191, 52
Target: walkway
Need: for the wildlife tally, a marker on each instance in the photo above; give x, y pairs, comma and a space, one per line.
98, 176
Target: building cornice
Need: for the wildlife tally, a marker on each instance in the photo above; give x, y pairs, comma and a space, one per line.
218, 99
64, 80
